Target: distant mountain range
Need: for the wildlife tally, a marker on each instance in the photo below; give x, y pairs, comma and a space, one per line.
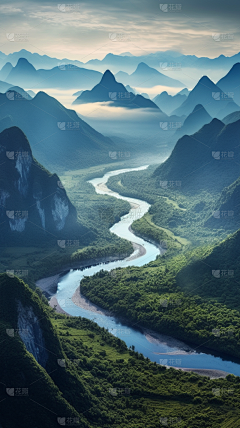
169, 103
125, 61
147, 77
34, 205
208, 159
59, 138
109, 90
37, 60
211, 97
129, 63
66, 76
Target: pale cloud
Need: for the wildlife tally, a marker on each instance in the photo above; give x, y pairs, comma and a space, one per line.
83, 33
9, 9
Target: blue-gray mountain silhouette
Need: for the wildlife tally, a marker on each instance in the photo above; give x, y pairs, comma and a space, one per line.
129, 63
208, 159
195, 121
147, 77
109, 90
34, 203
168, 103
58, 137
230, 82
64, 76
4, 72
209, 95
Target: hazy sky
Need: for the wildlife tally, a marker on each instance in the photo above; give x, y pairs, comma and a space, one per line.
83, 30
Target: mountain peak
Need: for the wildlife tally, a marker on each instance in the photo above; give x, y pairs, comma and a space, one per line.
7, 65
42, 95
24, 64
107, 91
184, 91
236, 65
235, 68
142, 66
109, 55
12, 138
108, 77
23, 51
205, 81
217, 122
25, 185
126, 54
13, 132
23, 61
199, 107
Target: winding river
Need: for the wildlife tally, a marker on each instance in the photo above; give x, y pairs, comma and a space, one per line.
160, 348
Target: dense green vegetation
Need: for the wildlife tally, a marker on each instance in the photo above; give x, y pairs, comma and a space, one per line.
148, 295
19, 370
145, 228
184, 215
216, 273
91, 376
205, 161
228, 203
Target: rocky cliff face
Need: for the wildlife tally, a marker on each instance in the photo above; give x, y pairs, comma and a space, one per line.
31, 333
33, 203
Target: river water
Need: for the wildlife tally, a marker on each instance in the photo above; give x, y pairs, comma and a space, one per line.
160, 348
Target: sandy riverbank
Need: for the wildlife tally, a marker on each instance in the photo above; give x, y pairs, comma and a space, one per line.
139, 251
79, 300
213, 374
154, 337
49, 285
55, 305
